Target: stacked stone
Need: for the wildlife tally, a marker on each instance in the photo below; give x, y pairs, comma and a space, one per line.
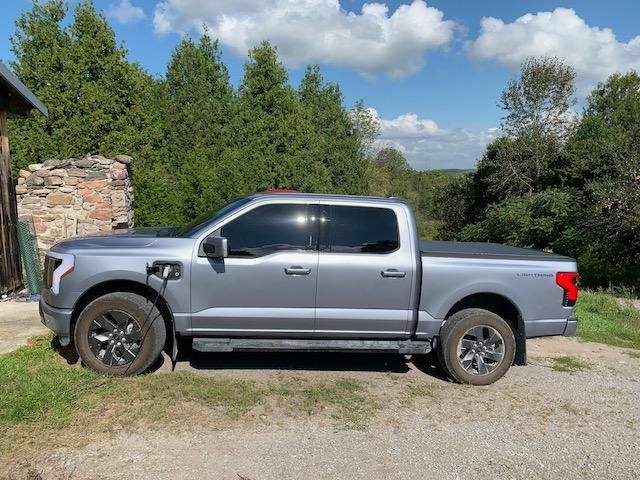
67, 198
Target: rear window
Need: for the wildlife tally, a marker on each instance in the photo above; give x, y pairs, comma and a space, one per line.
361, 230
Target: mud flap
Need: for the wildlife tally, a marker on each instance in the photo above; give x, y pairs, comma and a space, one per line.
174, 351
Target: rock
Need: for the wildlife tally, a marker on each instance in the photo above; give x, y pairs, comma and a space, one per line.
21, 181
24, 173
42, 191
42, 173
118, 165
35, 166
85, 162
30, 200
34, 180
66, 189
76, 172
56, 163
70, 180
93, 197
59, 172
59, 198
52, 181
119, 200
93, 184
102, 160
96, 175
119, 174
126, 159
20, 189
101, 214
118, 183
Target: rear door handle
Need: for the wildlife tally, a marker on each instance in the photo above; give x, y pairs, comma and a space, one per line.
296, 270
393, 273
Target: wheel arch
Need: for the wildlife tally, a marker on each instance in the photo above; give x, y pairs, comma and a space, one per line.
129, 286
504, 308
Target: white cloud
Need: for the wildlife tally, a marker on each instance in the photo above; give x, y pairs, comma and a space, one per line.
594, 52
373, 40
426, 146
125, 12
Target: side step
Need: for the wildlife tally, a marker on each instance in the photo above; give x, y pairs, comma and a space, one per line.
302, 345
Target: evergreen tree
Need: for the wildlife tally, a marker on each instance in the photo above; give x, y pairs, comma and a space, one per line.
335, 144
276, 136
197, 109
83, 77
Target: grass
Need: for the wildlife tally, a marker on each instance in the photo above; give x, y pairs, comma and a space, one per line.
44, 401
601, 318
569, 364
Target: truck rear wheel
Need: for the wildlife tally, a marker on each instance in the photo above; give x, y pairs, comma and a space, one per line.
476, 347
120, 333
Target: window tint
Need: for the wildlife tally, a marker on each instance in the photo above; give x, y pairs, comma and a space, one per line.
362, 230
268, 229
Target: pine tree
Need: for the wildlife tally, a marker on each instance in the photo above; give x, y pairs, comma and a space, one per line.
83, 77
277, 137
197, 109
335, 144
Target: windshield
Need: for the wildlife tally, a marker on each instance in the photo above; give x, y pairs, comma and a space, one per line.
194, 227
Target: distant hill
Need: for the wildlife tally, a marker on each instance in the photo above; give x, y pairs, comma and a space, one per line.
455, 171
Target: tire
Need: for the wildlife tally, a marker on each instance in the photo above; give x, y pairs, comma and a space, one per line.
478, 362
133, 348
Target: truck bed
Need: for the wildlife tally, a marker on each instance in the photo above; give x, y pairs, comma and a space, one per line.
436, 248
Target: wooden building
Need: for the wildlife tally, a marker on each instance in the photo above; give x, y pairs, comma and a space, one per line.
17, 99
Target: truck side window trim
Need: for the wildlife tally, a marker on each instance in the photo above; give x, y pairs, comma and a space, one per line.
329, 218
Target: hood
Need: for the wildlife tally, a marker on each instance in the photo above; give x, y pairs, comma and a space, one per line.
124, 238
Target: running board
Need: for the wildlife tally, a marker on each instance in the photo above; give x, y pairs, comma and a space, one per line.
301, 345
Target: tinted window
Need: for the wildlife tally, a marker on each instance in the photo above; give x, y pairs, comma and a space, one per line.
268, 229
195, 227
362, 230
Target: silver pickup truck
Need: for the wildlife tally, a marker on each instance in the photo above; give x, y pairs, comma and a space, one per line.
310, 272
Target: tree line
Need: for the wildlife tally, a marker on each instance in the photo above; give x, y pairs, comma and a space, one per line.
555, 180
197, 141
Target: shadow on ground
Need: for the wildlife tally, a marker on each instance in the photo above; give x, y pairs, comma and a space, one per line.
313, 361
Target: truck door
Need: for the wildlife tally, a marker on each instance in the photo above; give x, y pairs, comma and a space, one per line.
267, 284
366, 272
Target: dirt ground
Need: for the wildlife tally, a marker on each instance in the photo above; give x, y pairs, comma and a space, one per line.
537, 422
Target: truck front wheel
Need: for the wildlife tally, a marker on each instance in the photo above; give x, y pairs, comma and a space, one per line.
120, 334
476, 346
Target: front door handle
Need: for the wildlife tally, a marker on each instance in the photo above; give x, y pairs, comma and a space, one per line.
296, 270
393, 273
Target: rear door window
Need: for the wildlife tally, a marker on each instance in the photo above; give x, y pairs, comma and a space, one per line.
359, 230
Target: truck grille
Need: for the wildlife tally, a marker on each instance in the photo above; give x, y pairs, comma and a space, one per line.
50, 264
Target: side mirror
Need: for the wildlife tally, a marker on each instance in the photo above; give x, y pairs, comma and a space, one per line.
215, 247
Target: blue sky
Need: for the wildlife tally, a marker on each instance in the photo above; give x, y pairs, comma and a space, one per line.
431, 70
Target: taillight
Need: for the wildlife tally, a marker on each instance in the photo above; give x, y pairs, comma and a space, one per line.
568, 281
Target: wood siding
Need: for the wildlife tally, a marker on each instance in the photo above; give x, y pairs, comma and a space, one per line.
10, 267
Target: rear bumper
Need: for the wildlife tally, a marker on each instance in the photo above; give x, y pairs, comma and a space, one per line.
58, 320
571, 327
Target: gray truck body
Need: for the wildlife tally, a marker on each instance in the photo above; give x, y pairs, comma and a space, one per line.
315, 293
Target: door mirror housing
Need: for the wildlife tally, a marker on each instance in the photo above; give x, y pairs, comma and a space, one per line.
215, 247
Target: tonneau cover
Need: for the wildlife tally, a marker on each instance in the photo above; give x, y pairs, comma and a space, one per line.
484, 250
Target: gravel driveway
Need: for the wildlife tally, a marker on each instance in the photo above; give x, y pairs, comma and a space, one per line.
537, 422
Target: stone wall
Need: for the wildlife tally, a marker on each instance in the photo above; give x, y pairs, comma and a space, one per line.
78, 196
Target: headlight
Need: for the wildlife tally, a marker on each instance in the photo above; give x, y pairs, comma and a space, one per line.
56, 267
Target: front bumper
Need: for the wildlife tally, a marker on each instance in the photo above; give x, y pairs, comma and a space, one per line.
571, 327
58, 320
